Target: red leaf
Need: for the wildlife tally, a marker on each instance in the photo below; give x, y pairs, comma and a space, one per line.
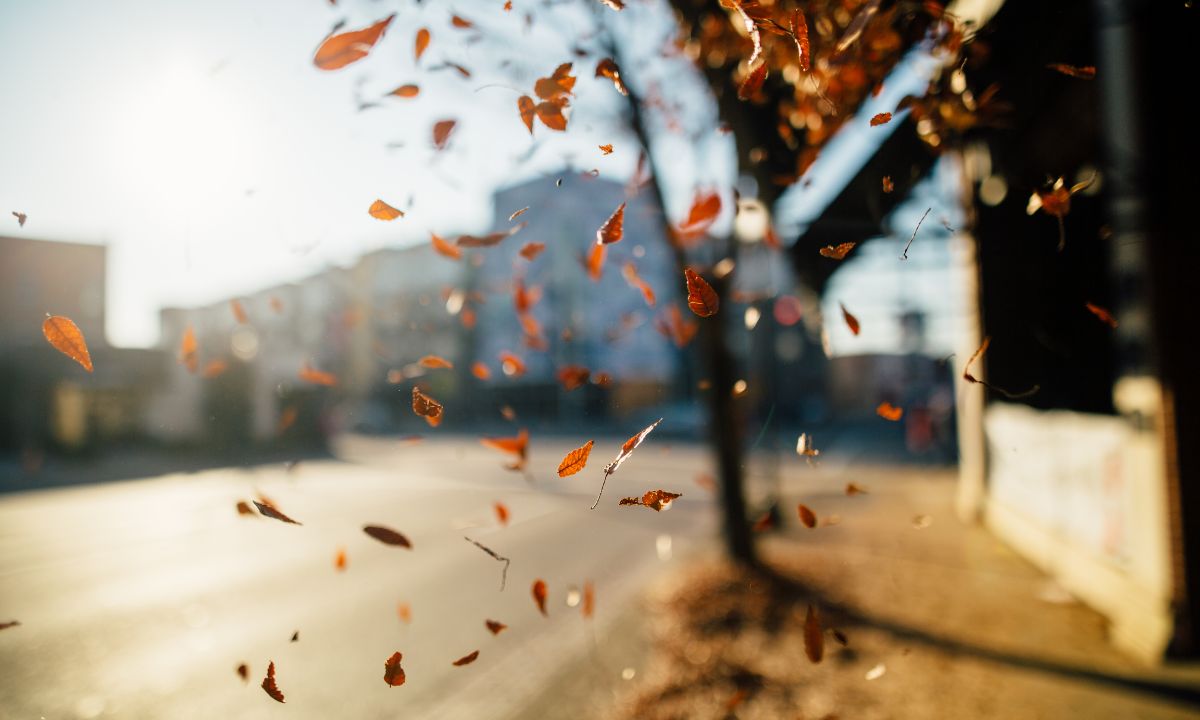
495, 626
753, 82
629, 271
800, 37
1104, 315
575, 460
595, 261
838, 252
66, 337
387, 536
888, 185
613, 228
268, 684
607, 68
393, 674
532, 249
702, 299
243, 670
436, 362
588, 608
814, 639
539, 595
339, 51
441, 133
1085, 72
466, 659
673, 325
851, 321
426, 407
706, 207
573, 376
501, 512
807, 516
881, 119
626, 450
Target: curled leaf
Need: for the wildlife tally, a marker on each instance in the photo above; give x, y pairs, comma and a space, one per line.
426, 407
753, 82
613, 228
66, 337
626, 450
630, 273
269, 686
606, 149
607, 68
881, 119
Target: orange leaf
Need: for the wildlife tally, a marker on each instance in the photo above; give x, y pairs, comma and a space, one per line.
528, 112
1084, 72
673, 325
656, 500
851, 321
269, 510
214, 368
488, 240
807, 516
393, 674
852, 489
814, 639
239, 312
606, 149
481, 371
436, 362
706, 207
753, 82
387, 536
339, 51
607, 68
441, 133
764, 523
406, 91
243, 672
888, 411
317, 377
426, 407
588, 608
560, 83
512, 365
550, 113
629, 271
573, 376
1104, 315
404, 612
837, 252
66, 337
617, 5
888, 185
514, 445
461, 22
466, 659
702, 299
575, 460
495, 626
382, 211
595, 261
243, 508
501, 512
799, 27
881, 119
443, 248
539, 595
532, 250
518, 213
613, 228
421, 43
268, 684
339, 560
626, 450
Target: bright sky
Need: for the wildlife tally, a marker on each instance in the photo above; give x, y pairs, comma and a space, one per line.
198, 141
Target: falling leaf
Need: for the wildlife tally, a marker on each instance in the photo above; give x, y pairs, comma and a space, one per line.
595, 261
532, 249
435, 362
573, 376
488, 240
838, 252
244, 508
1084, 72
466, 659
613, 228
406, 91
66, 337
558, 84
765, 522
239, 312
387, 536
617, 5
382, 211
501, 512
887, 411
852, 489
675, 326
243, 672
705, 209
1105, 316
214, 368
753, 82
607, 68
481, 371
268, 683
422, 42
851, 321
814, 639
528, 111
339, 560
702, 299
804, 446
287, 418
888, 185
404, 612
751, 29
799, 34
295, 636
511, 365
840, 637
443, 248
518, 446
807, 516
518, 213
317, 377
461, 22
588, 607
426, 407
441, 133
606, 149
876, 672
269, 510
393, 674
550, 112
339, 51
21, 218
881, 119
276, 305
508, 413
630, 273
539, 595
495, 626
626, 450
575, 460
656, 500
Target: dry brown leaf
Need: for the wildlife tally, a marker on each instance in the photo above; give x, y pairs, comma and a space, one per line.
837, 252
575, 460
518, 213
753, 82
393, 674
626, 450
268, 684
387, 536
807, 516
243, 672
466, 659
656, 500
881, 119
702, 299
607, 68
495, 627
269, 510
814, 639
441, 133
66, 337
1083, 72
851, 321
613, 228
426, 407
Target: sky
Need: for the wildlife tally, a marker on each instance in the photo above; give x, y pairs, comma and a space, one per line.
200, 144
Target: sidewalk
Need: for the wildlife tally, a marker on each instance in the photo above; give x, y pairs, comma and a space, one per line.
941, 621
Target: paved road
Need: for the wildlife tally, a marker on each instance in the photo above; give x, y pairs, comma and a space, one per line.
138, 599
